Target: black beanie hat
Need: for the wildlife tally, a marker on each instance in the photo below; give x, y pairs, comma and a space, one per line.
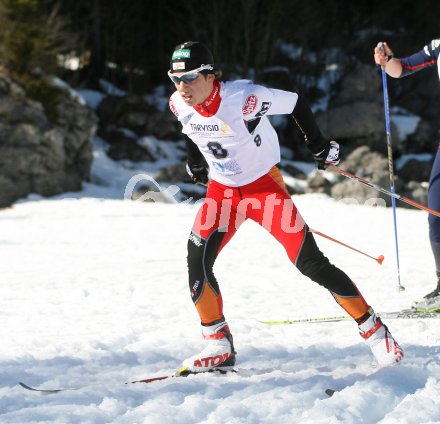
191, 55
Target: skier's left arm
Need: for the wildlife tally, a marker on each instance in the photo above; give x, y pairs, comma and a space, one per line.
262, 101
325, 152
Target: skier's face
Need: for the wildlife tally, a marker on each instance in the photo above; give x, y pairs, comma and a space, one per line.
196, 91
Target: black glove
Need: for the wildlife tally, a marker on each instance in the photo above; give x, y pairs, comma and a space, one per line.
328, 156
198, 171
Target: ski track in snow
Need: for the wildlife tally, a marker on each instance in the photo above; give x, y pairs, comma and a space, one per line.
94, 294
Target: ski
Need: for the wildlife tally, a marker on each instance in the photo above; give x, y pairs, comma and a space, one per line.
435, 310
184, 372
411, 314
68, 389
403, 314
44, 391
428, 305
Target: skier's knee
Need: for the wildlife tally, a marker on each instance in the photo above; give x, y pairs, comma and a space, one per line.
313, 264
201, 257
311, 261
198, 266
196, 246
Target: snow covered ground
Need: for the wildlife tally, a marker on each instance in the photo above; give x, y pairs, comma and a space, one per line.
94, 294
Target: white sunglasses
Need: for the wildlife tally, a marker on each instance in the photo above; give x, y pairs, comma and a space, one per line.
189, 76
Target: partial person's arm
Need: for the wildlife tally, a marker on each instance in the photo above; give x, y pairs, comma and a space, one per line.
402, 67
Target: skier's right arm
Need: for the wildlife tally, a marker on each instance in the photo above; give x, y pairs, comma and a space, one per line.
196, 165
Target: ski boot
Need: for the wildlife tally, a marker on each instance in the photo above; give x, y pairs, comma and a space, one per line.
430, 302
218, 355
436, 291
377, 336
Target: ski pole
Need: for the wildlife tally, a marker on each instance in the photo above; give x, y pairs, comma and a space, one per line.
379, 259
382, 190
390, 164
